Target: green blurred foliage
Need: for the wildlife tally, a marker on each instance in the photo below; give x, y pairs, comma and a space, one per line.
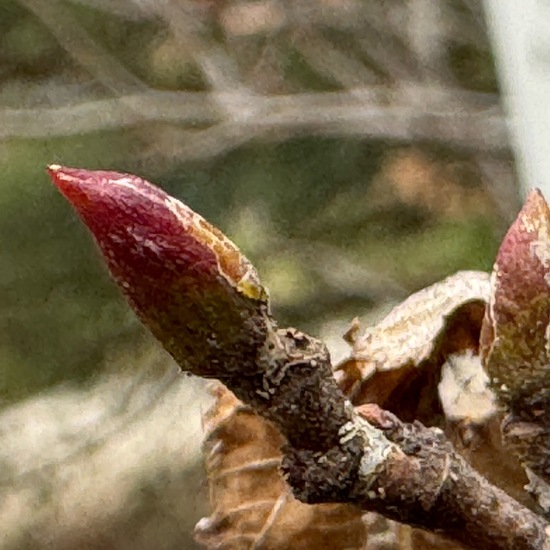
58, 308
28, 47
292, 207
473, 68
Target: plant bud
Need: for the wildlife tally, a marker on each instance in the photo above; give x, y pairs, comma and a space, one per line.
515, 345
187, 282
515, 334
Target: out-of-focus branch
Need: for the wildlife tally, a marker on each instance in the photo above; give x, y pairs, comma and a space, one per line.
426, 35
465, 120
327, 59
83, 48
126, 9
219, 70
106, 114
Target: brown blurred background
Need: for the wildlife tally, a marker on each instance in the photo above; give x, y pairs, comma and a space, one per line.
355, 150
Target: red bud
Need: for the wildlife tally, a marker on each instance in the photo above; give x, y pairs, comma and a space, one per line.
188, 283
516, 330
515, 339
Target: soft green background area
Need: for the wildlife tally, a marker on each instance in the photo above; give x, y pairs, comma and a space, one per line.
292, 206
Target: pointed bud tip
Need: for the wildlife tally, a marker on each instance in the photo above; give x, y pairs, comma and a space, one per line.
534, 217
534, 193
535, 201
66, 179
55, 171
58, 172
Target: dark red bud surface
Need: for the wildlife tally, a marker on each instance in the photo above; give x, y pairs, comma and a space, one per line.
188, 283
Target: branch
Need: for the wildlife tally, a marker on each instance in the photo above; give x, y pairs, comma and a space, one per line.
469, 121
78, 43
203, 300
406, 472
447, 493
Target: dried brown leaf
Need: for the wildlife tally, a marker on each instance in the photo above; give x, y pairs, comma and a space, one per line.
397, 363
422, 363
252, 504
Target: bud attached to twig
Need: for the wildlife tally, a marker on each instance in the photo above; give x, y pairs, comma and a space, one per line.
187, 282
515, 336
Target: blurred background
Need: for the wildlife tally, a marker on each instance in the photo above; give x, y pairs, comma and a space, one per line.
356, 151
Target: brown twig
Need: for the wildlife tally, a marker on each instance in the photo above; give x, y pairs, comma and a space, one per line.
406, 472
435, 488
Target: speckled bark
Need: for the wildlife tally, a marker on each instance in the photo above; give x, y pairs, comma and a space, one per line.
431, 486
406, 472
